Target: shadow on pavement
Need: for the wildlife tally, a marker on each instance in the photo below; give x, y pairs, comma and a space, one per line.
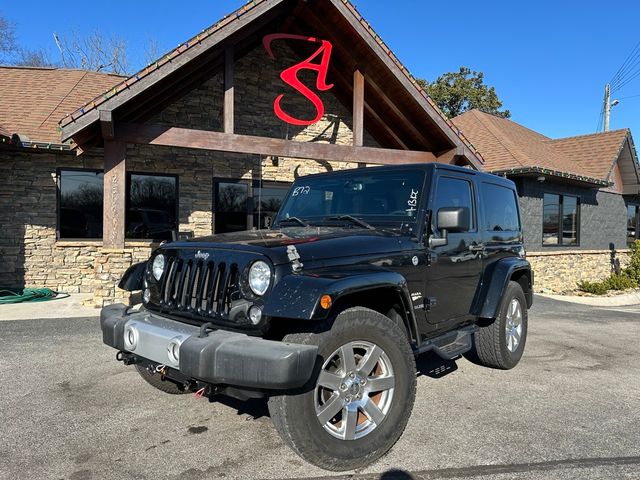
432, 366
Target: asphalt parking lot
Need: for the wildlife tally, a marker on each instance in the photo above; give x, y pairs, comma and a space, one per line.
570, 410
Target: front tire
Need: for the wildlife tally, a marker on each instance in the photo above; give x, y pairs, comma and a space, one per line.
359, 401
501, 344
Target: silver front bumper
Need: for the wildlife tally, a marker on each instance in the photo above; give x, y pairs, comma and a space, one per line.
221, 357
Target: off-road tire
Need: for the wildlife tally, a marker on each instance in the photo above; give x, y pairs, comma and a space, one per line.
294, 416
156, 381
490, 344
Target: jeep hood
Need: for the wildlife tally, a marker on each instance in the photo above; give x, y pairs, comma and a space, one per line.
312, 243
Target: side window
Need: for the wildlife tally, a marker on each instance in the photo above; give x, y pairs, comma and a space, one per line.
453, 192
500, 207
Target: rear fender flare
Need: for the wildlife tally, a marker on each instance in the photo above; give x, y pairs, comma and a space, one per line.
494, 284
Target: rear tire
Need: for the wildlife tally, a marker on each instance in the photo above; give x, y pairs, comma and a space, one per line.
501, 344
366, 374
156, 381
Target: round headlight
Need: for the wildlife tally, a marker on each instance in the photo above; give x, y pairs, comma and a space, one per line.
158, 266
259, 277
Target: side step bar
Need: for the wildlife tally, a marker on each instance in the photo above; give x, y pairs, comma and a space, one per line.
450, 345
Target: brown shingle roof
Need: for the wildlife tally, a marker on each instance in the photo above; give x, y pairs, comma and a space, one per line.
4, 132
595, 152
507, 145
34, 99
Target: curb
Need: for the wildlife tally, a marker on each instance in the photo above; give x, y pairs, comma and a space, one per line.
624, 300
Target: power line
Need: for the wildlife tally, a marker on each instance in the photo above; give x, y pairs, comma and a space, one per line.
624, 65
630, 96
629, 79
600, 118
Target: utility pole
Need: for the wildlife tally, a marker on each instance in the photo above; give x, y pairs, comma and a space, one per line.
607, 106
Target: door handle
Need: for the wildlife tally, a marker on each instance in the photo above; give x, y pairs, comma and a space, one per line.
477, 247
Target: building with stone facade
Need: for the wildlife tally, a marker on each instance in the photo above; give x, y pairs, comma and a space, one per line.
205, 140
98, 169
579, 196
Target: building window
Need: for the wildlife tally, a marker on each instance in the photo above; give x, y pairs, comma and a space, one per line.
240, 205
267, 200
633, 212
152, 206
80, 194
561, 217
231, 206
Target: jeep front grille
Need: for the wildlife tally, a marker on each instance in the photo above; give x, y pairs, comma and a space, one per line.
201, 287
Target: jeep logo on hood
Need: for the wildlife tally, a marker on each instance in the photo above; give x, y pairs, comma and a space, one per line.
202, 255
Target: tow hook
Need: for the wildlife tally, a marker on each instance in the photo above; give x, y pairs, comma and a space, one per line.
126, 358
207, 391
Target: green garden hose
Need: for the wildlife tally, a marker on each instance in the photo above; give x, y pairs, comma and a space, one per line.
30, 295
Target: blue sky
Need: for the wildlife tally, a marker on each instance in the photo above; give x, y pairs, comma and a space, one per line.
549, 60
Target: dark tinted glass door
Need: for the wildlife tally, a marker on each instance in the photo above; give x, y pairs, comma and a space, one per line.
231, 207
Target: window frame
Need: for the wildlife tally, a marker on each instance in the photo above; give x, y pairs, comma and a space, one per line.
127, 200
59, 171
561, 197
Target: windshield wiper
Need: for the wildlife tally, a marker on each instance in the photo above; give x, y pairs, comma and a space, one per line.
294, 219
355, 220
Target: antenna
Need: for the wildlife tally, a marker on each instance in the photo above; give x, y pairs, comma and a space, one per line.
59, 45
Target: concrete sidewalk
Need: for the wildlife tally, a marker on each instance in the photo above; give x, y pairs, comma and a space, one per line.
70, 307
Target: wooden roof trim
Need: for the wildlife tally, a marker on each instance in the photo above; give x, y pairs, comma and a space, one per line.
612, 165
385, 54
156, 71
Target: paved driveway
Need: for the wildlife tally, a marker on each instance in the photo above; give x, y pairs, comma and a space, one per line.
571, 409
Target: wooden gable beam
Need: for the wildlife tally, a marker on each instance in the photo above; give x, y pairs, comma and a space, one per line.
225, 142
229, 61
358, 108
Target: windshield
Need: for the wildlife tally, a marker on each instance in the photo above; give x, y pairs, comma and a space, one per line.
378, 197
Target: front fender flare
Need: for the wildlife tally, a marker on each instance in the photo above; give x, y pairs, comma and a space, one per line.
297, 296
133, 278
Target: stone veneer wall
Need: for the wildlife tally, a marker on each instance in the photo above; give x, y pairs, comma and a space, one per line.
30, 253
560, 271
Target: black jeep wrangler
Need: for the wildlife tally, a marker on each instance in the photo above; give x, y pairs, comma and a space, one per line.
324, 313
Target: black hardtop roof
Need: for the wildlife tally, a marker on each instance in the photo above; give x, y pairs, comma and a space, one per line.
427, 167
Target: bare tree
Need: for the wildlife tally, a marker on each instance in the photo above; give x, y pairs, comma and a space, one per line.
94, 52
33, 58
151, 51
7, 39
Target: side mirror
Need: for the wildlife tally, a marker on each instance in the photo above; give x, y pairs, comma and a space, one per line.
450, 219
454, 219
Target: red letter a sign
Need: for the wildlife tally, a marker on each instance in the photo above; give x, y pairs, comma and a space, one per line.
290, 76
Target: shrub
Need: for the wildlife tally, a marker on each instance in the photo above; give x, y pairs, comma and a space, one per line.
621, 282
633, 270
597, 288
